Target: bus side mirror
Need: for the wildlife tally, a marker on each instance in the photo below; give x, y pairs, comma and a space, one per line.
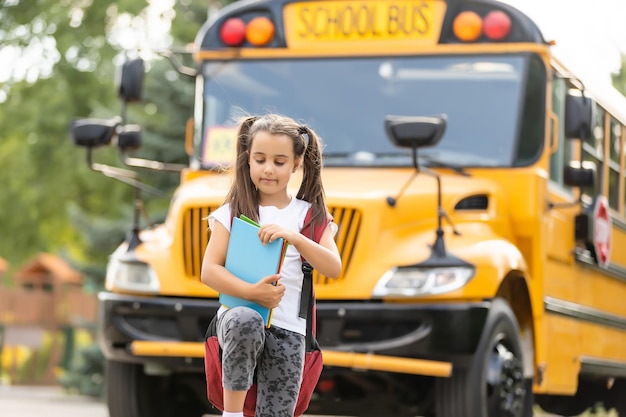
415, 131
131, 80
93, 133
129, 138
578, 116
576, 175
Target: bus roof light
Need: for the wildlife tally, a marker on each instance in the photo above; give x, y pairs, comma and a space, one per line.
497, 25
233, 32
467, 26
260, 31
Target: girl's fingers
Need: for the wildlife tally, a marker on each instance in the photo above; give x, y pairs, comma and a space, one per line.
270, 279
268, 237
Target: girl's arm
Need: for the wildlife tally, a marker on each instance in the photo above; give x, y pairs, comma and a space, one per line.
216, 276
324, 257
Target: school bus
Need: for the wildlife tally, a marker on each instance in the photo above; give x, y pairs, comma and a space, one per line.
479, 188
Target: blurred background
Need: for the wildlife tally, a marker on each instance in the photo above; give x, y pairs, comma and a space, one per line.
58, 220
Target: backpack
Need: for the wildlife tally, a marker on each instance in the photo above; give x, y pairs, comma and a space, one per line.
313, 362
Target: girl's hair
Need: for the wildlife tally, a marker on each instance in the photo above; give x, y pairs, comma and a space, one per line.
243, 195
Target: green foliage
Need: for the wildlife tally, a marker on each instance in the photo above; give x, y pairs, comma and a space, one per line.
35, 366
70, 77
85, 375
619, 78
52, 201
190, 15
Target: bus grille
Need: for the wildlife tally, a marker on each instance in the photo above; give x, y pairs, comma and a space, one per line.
195, 239
196, 235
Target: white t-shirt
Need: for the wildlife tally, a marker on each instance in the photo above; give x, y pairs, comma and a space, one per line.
286, 315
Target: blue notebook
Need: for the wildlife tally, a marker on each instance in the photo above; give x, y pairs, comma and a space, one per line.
250, 260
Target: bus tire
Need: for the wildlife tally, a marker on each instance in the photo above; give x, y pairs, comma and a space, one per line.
132, 393
493, 385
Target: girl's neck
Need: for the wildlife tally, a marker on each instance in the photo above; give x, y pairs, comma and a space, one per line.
278, 201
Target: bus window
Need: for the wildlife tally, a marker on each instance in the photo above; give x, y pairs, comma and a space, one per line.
593, 151
563, 154
623, 165
530, 141
615, 137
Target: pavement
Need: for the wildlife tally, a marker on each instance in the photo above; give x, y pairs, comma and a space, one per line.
52, 401
19, 401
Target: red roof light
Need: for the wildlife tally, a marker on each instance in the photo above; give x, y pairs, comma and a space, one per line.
497, 25
233, 32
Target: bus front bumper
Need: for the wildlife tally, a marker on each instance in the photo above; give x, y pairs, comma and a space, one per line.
419, 339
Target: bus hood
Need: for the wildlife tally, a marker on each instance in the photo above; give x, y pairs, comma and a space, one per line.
388, 219
374, 235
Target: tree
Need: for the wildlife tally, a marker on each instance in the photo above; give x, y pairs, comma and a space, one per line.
37, 158
51, 200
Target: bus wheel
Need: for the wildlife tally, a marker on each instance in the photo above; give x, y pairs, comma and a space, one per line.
494, 384
132, 393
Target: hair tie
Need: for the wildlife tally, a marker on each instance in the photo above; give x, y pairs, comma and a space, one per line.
304, 132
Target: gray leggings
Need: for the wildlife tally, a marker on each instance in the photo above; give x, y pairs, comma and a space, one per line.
276, 354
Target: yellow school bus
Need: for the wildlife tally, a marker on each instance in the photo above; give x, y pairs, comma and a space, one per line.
479, 189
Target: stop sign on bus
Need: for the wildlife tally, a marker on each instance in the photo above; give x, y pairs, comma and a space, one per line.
602, 230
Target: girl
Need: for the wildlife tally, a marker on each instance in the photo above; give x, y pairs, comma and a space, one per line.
269, 150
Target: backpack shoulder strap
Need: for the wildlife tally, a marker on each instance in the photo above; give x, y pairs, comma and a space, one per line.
307, 296
314, 231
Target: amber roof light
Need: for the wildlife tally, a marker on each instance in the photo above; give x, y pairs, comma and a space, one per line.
260, 31
467, 26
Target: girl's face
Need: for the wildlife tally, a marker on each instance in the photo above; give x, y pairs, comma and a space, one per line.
272, 161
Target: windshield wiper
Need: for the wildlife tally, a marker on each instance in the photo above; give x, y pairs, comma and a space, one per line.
437, 163
365, 158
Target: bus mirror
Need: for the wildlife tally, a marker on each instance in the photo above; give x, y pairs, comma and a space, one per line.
576, 175
131, 80
129, 138
93, 132
415, 131
578, 116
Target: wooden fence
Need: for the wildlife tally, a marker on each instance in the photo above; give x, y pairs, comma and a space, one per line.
69, 306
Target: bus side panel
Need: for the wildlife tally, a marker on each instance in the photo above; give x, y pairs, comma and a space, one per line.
561, 333
585, 311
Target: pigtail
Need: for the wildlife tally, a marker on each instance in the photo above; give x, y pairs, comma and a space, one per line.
243, 197
311, 189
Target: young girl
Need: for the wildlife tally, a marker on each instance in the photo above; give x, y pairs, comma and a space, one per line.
270, 149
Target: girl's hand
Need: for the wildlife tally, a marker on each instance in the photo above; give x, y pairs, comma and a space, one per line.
268, 292
270, 232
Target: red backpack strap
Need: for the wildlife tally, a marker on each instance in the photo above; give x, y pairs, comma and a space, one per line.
317, 229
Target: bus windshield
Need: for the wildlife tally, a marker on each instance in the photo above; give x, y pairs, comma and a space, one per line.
346, 101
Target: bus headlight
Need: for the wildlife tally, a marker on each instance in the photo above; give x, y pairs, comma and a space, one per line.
412, 281
127, 273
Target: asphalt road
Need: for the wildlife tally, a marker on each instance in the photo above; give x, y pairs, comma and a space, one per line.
17, 401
